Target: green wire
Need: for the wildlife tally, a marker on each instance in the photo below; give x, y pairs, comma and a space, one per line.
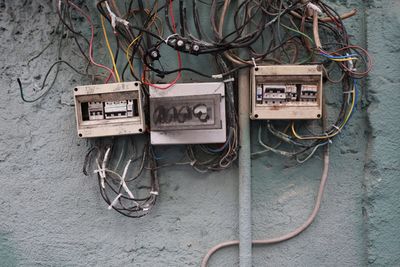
299, 32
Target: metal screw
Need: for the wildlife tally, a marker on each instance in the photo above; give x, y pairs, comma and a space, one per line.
196, 47
180, 43
154, 54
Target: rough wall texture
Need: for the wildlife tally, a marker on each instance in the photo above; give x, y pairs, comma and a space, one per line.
52, 215
383, 163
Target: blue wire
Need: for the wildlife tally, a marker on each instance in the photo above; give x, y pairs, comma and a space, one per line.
338, 57
223, 147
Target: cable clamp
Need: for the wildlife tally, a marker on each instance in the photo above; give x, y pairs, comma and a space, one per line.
229, 80
114, 202
167, 39
154, 193
314, 7
115, 18
254, 62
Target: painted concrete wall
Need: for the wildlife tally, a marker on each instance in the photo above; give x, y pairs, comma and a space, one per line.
52, 215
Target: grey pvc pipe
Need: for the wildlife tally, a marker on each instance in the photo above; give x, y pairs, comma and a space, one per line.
245, 236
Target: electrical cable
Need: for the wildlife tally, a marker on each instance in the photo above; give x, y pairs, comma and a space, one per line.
289, 235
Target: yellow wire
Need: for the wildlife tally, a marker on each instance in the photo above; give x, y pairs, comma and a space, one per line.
127, 51
343, 59
353, 92
138, 37
109, 49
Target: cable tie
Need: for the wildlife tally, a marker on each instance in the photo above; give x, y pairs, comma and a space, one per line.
102, 174
115, 18
330, 141
337, 128
114, 202
154, 193
99, 171
314, 7
229, 80
349, 92
217, 76
123, 183
192, 163
167, 39
350, 63
254, 62
145, 209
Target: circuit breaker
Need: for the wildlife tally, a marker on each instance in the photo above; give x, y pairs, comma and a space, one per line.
109, 109
188, 113
286, 92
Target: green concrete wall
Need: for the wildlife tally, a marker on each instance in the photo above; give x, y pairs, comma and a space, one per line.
52, 215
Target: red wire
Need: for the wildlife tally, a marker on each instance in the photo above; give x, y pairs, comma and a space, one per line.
91, 42
171, 14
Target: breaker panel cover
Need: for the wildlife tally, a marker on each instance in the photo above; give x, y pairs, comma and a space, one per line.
109, 109
286, 92
188, 113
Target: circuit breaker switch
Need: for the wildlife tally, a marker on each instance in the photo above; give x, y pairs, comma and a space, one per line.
309, 93
259, 94
116, 109
274, 94
291, 92
95, 110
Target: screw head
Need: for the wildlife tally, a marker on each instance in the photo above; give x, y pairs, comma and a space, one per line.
180, 43
196, 47
154, 54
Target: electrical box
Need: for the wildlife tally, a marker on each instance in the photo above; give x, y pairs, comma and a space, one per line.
286, 92
188, 113
109, 109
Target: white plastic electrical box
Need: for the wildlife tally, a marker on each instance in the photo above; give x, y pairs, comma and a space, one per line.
286, 92
109, 109
188, 113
